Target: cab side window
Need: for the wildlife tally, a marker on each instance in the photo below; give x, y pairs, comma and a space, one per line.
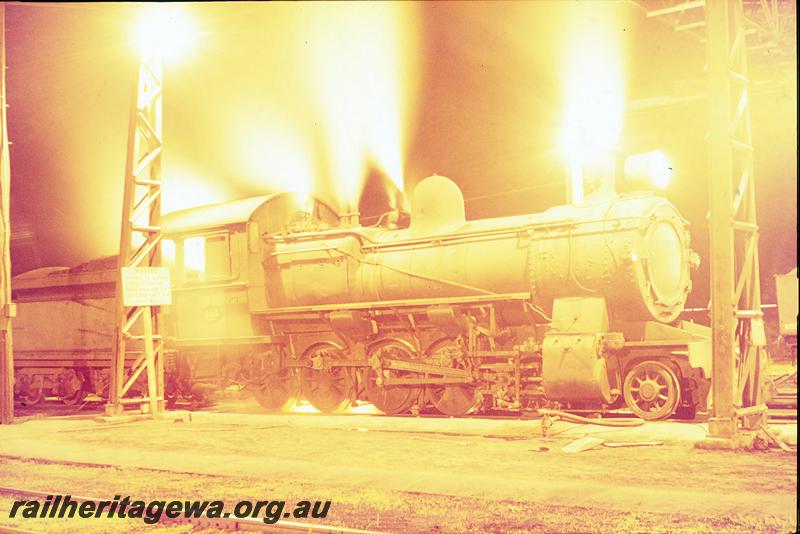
218, 257
206, 257
168, 253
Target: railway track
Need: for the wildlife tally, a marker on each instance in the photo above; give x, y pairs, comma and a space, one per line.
781, 391
781, 407
221, 524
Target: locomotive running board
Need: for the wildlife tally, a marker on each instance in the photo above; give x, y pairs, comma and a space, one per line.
378, 305
214, 341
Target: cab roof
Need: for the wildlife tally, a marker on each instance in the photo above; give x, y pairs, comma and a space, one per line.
213, 215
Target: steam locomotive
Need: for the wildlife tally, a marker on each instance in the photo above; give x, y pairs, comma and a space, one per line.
577, 307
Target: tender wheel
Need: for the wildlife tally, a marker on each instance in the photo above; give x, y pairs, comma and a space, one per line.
170, 399
71, 386
33, 396
171, 390
75, 398
395, 399
277, 391
28, 390
328, 390
453, 400
651, 391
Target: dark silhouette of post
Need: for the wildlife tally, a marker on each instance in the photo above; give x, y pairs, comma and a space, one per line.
6, 306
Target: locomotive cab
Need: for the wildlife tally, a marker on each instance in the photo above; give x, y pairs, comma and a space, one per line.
214, 255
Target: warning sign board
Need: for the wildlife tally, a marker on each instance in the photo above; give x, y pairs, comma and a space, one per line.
146, 286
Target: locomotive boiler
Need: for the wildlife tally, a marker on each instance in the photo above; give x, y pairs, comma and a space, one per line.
633, 252
575, 306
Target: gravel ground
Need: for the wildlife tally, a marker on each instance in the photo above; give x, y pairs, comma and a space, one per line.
408, 475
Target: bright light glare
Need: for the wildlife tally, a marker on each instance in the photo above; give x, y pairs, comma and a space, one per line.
165, 30
363, 409
303, 408
303, 202
194, 257
274, 152
363, 72
327, 101
168, 254
660, 169
651, 166
593, 88
182, 189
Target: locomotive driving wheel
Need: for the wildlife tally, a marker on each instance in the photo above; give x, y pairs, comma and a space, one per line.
453, 400
277, 391
391, 399
651, 390
327, 389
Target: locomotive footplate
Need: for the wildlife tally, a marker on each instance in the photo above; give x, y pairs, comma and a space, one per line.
218, 341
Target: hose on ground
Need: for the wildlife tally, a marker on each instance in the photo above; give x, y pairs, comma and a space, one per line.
571, 417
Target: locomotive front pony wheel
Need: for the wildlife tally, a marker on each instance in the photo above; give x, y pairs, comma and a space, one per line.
391, 399
453, 400
326, 389
651, 390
